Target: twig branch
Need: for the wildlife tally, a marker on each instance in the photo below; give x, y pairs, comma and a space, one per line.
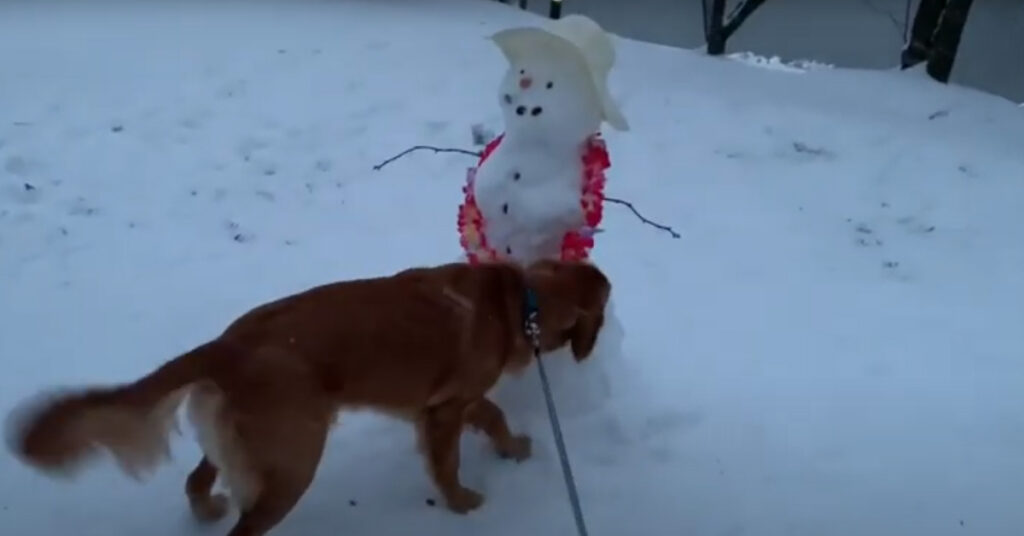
436, 150
900, 27
609, 199
641, 217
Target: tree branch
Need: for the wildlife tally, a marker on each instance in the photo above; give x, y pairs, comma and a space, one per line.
900, 27
415, 148
609, 199
641, 217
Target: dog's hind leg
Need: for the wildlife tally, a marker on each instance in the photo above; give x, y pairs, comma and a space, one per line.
277, 498
282, 454
206, 507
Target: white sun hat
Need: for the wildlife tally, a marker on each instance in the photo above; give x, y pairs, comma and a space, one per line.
577, 37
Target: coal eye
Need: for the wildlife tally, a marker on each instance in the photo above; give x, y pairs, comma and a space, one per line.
550, 85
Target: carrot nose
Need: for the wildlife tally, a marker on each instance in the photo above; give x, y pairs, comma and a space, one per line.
525, 82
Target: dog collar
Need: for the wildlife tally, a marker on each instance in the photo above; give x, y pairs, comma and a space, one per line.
531, 312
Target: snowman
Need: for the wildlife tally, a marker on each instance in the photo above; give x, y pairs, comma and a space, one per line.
538, 189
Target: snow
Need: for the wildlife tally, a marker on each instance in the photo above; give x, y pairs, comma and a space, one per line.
832, 347
776, 63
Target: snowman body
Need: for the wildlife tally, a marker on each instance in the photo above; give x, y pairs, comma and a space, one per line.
529, 199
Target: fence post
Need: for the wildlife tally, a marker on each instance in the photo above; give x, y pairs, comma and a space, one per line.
556, 9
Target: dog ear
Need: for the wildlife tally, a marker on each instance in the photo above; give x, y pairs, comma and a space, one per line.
579, 293
594, 288
583, 334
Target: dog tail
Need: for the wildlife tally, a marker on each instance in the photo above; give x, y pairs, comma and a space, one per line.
58, 433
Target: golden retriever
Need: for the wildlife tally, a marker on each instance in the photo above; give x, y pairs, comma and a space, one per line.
424, 344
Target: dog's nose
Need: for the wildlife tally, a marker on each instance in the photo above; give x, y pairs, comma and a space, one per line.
525, 82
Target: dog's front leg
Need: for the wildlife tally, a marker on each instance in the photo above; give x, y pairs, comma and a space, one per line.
442, 426
488, 417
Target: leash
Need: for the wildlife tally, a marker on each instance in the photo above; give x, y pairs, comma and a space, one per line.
533, 331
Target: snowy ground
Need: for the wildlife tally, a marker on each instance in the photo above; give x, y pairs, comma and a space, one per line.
834, 347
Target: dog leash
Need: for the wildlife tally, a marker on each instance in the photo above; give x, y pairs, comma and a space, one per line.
533, 331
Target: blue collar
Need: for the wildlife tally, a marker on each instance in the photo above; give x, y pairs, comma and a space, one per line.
530, 307
531, 324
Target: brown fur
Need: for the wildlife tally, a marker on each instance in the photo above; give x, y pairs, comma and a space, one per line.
425, 344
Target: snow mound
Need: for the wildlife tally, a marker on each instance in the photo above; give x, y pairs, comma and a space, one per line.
776, 63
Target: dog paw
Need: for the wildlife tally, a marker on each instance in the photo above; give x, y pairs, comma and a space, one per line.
518, 448
210, 509
464, 500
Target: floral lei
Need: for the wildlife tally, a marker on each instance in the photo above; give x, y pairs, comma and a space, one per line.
576, 244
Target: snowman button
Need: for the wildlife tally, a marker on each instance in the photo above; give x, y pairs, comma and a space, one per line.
516, 176
508, 250
504, 208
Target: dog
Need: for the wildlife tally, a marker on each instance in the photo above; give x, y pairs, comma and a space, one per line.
423, 344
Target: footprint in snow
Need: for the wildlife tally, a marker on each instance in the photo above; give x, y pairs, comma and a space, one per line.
81, 207
807, 152
248, 147
655, 433
268, 196
967, 171
730, 154
865, 236
194, 120
237, 234
18, 166
324, 165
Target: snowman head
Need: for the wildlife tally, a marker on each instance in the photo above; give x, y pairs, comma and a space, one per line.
556, 83
549, 97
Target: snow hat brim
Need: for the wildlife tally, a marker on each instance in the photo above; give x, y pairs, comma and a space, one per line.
576, 37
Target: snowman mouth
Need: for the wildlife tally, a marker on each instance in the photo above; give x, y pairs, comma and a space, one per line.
535, 111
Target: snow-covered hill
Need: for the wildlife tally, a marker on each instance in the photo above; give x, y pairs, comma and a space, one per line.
833, 347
